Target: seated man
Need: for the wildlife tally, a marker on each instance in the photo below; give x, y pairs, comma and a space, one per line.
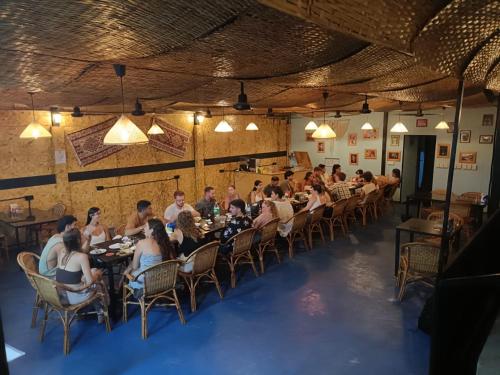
275, 182
238, 223
206, 205
288, 186
48, 260
137, 221
340, 190
177, 207
285, 211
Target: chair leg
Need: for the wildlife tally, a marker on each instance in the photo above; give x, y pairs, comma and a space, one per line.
309, 235
321, 233
277, 254
192, 293
216, 281
178, 306
289, 239
260, 252
402, 285
144, 319
106, 316
66, 332
330, 226
249, 254
44, 322
124, 304
233, 274
36, 306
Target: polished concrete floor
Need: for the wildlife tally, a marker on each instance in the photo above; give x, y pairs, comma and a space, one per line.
329, 311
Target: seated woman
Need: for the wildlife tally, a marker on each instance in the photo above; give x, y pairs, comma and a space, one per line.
154, 249
334, 178
317, 198
368, 186
257, 193
359, 176
231, 195
94, 231
73, 270
189, 238
307, 183
269, 212
395, 178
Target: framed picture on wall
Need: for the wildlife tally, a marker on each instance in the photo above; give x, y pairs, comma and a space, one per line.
395, 140
370, 153
443, 151
393, 155
309, 137
352, 139
485, 139
467, 157
320, 147
421, 123
370, 134
451, 126
353, 159
488, 120
465, 136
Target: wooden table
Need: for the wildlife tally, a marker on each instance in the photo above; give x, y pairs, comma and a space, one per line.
39, 217
418, 226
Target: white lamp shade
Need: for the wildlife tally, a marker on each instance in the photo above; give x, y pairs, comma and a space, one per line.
324, 132
399, 127
155, 130
367, 126
125, 132
252, 126
442, 125
34, 130
311, 125
223, 127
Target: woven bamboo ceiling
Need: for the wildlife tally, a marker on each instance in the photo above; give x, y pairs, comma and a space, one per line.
189, 55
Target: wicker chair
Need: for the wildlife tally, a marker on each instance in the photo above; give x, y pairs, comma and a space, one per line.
458, 223
4, 247
315, 224
47, 230
379, 202
159, 284
203, 260
48, 290
241, 253
368, 206
336, 217
350, 209
268, 241
298, 231
29, 264
418, 262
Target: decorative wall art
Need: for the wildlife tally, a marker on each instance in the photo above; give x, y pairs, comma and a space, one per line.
465, 136
353, 159
485, 139
467, 157
443, 151
422, 123
393, 155
352, 139
174, 141
309, 137
451, 126
395, 140
370, 153
488, 120
370, 134
320, 147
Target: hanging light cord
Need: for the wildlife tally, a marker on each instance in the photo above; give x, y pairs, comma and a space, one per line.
32, 106
123, 96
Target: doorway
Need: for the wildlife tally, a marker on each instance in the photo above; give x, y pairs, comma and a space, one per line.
418, 164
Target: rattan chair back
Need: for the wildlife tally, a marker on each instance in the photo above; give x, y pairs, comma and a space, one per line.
269, 230
28, 261
372, 196
243, 241
160, 277
338, 208
439, 216
317, 214
59, 209
299, 221
204, 258
422, 257
47, 289
471, 195
352, 202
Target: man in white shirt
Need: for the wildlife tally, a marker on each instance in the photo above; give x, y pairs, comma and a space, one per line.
178, 206
285, 211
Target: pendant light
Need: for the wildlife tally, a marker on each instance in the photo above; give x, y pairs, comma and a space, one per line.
399, 127
367, 126
252, 127
34, 130
311, 125
365, 108
208, 114
77, 112
242, 104
124, 132
155, 129
324, 131
223, 126
138, 111
442, 124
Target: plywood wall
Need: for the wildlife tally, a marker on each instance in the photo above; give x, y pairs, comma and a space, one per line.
22, 158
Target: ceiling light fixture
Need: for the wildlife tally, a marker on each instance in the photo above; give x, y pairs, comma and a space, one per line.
337, 114
138, 109
55, 116
34, 130
242, 104
252, 127
311, 125
399, 127
223, 126
76, 112
324, 131
442, 124
208, 114
367, 126
366, 108
155, 129
124, 132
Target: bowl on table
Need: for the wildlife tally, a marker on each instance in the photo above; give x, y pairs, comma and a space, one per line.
97, 251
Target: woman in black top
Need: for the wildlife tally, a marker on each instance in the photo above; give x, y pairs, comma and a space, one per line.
238, 223
190, 237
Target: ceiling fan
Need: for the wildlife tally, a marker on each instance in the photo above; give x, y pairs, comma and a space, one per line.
419, 112
340, 114
278, 115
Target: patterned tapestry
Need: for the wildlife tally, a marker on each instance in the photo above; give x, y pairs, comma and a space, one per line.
174, 141
88, 143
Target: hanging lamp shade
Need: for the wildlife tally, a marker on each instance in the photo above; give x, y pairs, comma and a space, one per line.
311, 125
399, 127
442, 125
367, 126
252, 126
324, 132
155, 129
223, 127
34, 131
125, 132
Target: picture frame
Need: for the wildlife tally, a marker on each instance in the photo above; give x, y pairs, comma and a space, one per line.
443, 151
393, 155
486, 139
352, 139
488, 119
451, 126
309, 137
370, 134
467, 157
370, 153
320, 147
465, 136
421, 123
395, 140
353, 159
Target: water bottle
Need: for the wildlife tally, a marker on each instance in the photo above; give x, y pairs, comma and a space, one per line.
216, 210
248, 210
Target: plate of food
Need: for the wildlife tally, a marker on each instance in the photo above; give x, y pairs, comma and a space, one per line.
115, 246
97, 251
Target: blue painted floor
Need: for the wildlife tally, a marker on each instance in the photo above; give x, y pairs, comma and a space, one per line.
330, 311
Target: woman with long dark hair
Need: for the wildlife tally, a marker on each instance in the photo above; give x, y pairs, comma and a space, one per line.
94, 231
257, 193
334, 178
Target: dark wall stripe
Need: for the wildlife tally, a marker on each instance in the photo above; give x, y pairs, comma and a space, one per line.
231, 159
21, 182
118, 172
